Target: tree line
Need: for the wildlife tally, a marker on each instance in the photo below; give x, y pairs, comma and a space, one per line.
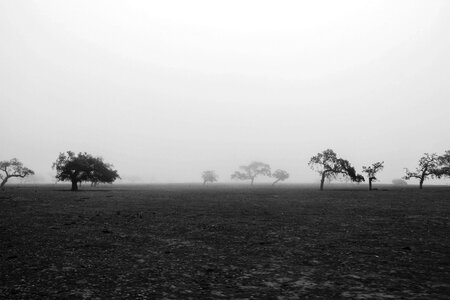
84, 167
249, 172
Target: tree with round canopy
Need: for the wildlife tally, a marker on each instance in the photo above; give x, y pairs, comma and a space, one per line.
83, 167
209, 176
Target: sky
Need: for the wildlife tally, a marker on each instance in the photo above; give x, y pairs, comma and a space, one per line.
167, 89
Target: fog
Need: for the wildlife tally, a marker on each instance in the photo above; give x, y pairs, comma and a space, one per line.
167, 90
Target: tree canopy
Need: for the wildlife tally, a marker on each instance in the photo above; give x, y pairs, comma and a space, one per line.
329, 166
83, 167
428, 167
209, 176
251, 171
13, 168
444, 164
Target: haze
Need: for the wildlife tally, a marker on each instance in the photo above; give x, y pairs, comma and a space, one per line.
167, 90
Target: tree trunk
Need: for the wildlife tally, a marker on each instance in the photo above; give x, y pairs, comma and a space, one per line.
4, 181
74, 185
422, 177
251, 183
322, 181
275, 181
370, 184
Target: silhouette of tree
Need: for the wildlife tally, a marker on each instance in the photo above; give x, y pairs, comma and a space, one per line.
209, 176
444, 164
83, 167
251, 171
329, 166
13, 168
428, 167
372, 170
280, 175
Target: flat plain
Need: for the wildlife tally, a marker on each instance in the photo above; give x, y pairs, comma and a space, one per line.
224, 242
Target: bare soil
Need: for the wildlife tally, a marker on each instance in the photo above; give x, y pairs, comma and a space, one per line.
222, 242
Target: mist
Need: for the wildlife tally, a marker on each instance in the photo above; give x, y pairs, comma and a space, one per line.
167, 90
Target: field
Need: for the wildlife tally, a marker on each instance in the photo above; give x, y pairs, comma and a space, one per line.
222, 242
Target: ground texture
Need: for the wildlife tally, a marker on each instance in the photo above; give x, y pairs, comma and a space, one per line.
192, 242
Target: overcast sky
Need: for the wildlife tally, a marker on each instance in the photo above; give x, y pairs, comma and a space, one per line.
167, 89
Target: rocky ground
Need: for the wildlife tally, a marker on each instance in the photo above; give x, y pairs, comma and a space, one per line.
219, 242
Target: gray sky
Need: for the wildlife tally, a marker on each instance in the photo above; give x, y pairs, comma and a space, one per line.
166, 90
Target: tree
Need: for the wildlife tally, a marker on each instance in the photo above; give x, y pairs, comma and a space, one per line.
83, 167
251, 171
280, 175
209, 176
13, 168
428, 167
329, 166
444, 164
372, 170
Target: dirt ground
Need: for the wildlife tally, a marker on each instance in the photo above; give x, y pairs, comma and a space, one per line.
222, 242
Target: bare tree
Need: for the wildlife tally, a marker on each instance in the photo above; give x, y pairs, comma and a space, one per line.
251, 171
13, 168
280, 175
428, 167
372, 170
209, 176
329, 166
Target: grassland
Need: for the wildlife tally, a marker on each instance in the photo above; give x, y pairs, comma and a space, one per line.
222, 242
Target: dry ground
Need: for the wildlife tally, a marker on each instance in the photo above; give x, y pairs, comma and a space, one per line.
194, 242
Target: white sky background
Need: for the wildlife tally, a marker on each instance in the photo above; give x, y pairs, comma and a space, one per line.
167, 89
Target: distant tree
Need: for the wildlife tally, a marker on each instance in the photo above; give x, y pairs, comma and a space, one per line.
280, 175
428, 167
209, 176
83, 167
399, 181
372, 170
251, 171
13, 168
329, 166
444, 164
